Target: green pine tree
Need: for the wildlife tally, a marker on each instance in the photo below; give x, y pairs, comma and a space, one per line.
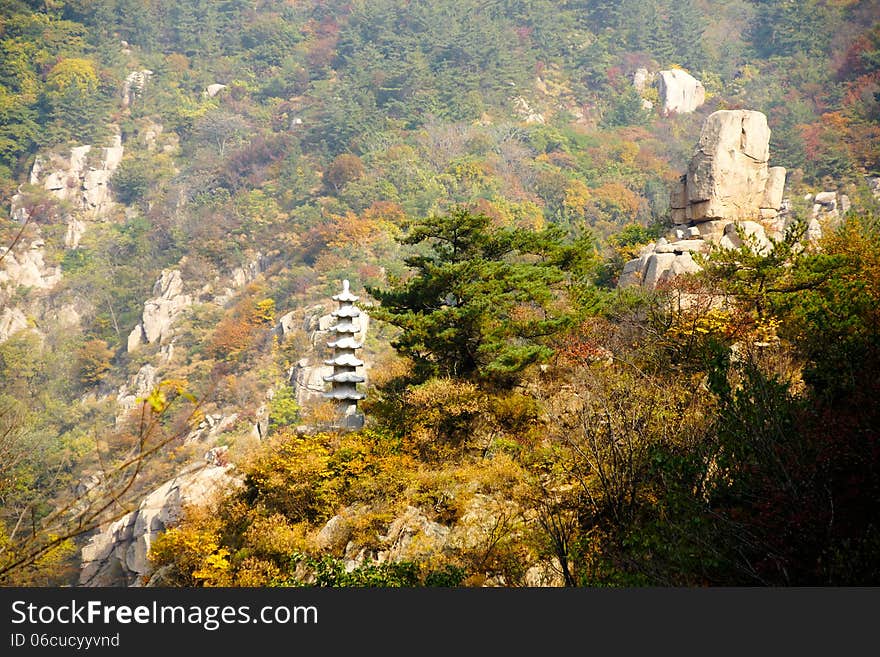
686, 26
483, 302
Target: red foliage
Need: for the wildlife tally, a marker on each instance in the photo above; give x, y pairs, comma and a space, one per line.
249, 166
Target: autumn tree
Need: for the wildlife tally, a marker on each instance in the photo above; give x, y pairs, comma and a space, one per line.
344, 168
94, 361
74, 99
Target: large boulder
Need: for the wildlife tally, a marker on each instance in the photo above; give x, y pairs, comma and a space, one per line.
12, 320
728, 173
642, 79
660, 261
680, 92
28, 268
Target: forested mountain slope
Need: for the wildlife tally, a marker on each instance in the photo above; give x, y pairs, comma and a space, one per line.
186, 184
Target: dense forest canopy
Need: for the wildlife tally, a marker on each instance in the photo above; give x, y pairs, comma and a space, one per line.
480, 171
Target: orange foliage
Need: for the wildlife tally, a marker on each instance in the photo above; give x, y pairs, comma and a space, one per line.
361, 230
615, 195
238, 330
387, 211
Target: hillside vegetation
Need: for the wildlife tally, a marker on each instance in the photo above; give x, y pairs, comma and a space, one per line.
480, 172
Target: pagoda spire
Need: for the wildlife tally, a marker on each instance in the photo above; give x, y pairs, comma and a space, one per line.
345, 377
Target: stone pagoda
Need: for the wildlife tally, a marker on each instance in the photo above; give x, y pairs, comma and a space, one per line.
345, 376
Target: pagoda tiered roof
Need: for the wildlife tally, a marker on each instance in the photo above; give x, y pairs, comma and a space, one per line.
345, 360
347, 312
345, 343
346, 294
345, 327
341, 393
345, 377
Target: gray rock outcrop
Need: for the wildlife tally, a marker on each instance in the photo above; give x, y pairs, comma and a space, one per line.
238, 279
728, 176
729, 190
80, 179
213, 89
413, 536
118, 554
660, 261
160, 311
680, 92
134, 84
642, 79
140, 385
12, 320
210, 428
828, 206
28, 268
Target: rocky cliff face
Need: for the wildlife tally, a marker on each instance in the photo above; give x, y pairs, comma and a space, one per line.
81, 179
117, 555
12, 320
28, 268
160, 311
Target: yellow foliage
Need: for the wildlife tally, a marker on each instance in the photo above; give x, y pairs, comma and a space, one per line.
292, 477
715, 321
442, 414
194, 551
255, 572
577, 197
627, 153
360, 230
158, 397
73, 72
615, 195
157, 400
215, 569
765, 330
274, 536
265, 310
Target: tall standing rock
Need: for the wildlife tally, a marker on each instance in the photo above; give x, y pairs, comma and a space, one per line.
728, 174
728, 186
728, 178
160, 311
